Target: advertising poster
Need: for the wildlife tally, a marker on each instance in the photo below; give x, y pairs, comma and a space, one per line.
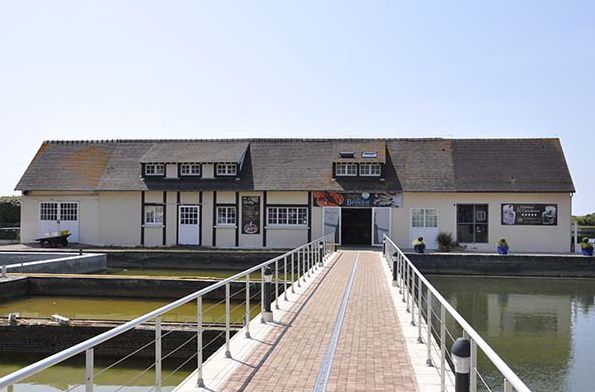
356, 199
530, 214
250, 214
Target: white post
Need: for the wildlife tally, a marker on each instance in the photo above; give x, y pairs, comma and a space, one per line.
419, 305
292, 277
89, 382
262, 295
285, 277
507, 386
298, 262
199, 328
158, 354
429, 324
247, 316
276, 284
227, 321
442, 348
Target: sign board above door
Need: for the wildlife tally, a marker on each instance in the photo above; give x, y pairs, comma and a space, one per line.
357, 199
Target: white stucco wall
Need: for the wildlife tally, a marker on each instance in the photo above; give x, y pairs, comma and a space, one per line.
520, 238
119, 218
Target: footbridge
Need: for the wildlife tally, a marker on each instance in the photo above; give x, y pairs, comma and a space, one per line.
316, 319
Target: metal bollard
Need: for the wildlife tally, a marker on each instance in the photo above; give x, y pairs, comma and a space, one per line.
321, 253
396, 269
267, 313
461, 354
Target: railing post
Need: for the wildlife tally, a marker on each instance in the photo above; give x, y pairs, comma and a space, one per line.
292, 271
419, 311
267, 313
304, 266
309, 258
276, 284
460, 353
298, 262
507, 386
227, 320
429, 324
199, 328
473, 378
406, 288
158, 354
89, 369
400, 261
3, 271
247, 315
442, 348
412, 294
395, 258
285, 277
262, 295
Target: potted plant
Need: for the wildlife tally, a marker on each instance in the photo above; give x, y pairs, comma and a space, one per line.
445, 242
502, 246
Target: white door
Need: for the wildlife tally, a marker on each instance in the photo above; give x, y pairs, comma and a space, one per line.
188, 225
424, 223
48, 219
57, 216
331, 222
69, 219
380, 224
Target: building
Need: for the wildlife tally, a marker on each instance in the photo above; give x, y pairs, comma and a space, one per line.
279, 193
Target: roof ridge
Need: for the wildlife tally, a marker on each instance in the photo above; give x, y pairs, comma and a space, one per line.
282, 140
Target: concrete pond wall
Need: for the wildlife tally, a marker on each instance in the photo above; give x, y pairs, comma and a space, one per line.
574, 266
58, 263
46, 338
114, 287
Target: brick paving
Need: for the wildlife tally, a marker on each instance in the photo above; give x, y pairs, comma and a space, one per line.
371, 353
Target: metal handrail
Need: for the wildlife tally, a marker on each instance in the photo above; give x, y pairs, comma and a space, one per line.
82, 347
509, 375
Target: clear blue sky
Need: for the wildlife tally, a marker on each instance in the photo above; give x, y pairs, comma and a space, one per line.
197, 69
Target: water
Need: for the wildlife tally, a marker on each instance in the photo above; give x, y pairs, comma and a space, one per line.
543, 328
102, 308
71, 373
67, 375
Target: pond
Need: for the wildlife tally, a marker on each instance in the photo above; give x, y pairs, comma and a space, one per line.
106, 308
543, 328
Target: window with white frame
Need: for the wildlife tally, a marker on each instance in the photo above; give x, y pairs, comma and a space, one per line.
226, 169
190, 169
369, 169
48, 211
291, 216
226, 215
154, 169
424, 217
346, 169
154, 215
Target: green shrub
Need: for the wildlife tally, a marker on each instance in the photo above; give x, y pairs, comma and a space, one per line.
445, 242
10, 211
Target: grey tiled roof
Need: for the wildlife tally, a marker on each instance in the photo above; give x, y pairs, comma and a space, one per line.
414, 165
201, 152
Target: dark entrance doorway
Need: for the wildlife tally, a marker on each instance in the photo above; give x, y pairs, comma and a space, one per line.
356, 226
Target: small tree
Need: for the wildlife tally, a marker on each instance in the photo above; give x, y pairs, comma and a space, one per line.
445, 242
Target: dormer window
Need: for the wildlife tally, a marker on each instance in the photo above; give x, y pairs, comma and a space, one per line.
369, 169
346, 169
226, 169
190, 169
154, 169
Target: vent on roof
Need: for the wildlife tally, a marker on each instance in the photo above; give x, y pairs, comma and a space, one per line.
369, 154
347, 154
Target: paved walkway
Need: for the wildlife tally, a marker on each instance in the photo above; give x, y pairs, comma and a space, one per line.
369, 354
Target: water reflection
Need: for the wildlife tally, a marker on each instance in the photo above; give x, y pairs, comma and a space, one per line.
543, 328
